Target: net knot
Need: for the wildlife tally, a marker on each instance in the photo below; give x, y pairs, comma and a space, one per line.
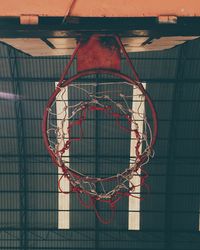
119, 105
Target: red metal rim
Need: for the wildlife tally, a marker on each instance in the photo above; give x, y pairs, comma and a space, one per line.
91, 72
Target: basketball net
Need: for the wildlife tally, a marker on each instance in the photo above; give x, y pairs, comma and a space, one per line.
99, 100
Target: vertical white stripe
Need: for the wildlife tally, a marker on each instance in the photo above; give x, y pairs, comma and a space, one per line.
63, 199
134, 203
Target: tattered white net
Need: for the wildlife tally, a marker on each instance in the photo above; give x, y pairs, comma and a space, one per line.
80, 106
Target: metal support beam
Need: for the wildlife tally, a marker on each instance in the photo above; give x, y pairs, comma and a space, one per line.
171, 146
129, 232
52, 27
48, 80
21, 147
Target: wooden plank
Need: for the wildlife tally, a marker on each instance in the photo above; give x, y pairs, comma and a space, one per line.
100, 8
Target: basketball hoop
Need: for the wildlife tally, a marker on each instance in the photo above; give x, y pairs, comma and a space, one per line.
113, 100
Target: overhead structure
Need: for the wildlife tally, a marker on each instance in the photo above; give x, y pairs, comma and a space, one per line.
100, 8
50, 28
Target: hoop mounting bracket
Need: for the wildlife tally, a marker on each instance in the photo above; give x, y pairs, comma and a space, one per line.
98, 52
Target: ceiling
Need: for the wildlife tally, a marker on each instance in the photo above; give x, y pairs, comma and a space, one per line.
169, 216
66, 46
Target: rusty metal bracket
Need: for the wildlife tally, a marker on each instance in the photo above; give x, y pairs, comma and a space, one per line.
98, 52
29, 19
167, 19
